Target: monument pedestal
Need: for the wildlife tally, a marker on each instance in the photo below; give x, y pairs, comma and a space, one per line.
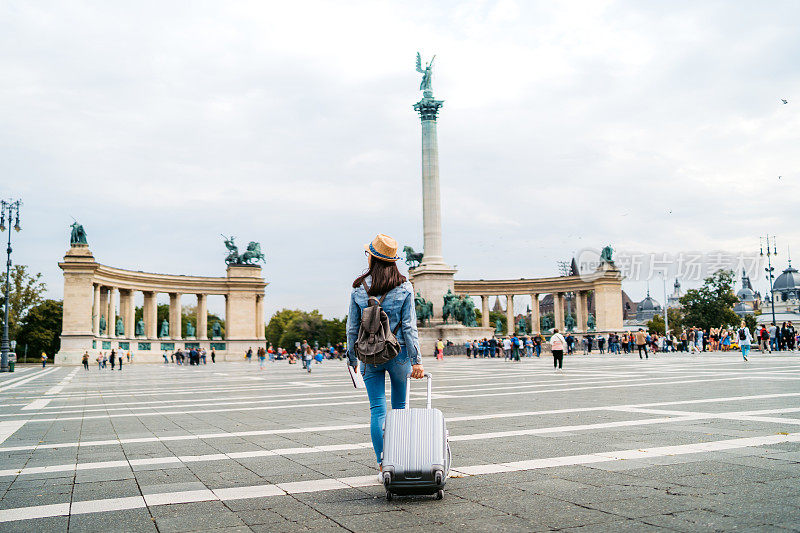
455, 333
432, 281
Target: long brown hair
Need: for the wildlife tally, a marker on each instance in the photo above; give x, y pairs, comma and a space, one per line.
385, 276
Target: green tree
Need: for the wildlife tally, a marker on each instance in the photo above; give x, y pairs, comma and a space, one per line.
277, 325
40, 329
27, 290
335, 330
750, 322
306, 326
656, 325
494, 316
711, 306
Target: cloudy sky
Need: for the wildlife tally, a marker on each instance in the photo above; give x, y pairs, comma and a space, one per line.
654, 126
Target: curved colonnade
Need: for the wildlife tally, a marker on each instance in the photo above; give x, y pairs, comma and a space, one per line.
93, 290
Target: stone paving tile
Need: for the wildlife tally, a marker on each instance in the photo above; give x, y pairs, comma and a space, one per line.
124, 521
200, 516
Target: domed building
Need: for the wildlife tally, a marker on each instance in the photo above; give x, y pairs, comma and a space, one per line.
749, 299
787, 285
786, 295
647, 309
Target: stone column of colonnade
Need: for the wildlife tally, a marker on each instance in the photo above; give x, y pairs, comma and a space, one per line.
96, 310
512, 328
202, 317
127, 311
580, 312
558, 311
583, 307
485, 311
175, 315
111, 317
535, 318
149, 314
103, 309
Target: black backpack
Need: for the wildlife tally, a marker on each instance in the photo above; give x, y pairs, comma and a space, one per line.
742, 334
376, 343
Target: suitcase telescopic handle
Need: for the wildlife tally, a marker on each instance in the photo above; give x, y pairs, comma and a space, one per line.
408, 389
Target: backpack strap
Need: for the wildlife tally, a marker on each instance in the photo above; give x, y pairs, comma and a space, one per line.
366, 289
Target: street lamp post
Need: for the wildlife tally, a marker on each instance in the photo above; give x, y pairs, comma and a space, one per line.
769, 271
666, 301
10, 208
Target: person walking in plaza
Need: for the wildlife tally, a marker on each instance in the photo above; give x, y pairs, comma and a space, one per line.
262, 357
44, 359
439, 349
111, 358
383, 281
507, 348
85, 360
641, 342
557, 345
213, 355
789, 336
119, 361
99, 362
745, 339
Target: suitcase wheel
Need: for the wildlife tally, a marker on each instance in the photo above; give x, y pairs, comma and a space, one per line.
438, 478
389, 496
439, 494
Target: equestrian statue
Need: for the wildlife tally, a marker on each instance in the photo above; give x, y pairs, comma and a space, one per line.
413, 258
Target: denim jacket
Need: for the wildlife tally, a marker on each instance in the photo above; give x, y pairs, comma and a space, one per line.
399, 307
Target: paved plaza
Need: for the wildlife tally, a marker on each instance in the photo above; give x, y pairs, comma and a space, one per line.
676, 442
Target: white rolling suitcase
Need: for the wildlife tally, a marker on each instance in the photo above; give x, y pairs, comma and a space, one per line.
416, 451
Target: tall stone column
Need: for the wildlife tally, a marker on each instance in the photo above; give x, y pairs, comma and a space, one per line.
428, 108
96, 311
202, 317
175, 316
127, 311
433, 277
558, 311
112, 312
103, 309
512, 328
536, 320
150, 313
580, 311
485, 311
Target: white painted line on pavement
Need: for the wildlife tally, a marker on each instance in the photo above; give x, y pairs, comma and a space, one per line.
27, 379
9, 427
329, 404
35, 405
171, 459
58, 388
315, 429
326, 484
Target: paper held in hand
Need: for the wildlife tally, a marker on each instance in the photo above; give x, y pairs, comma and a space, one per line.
355, 375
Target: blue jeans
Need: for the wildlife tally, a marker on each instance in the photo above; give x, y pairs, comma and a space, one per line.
745, 350
375, 381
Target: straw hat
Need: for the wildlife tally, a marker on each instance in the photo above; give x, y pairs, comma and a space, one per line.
383, 247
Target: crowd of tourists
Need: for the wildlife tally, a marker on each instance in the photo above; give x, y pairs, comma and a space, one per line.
691, 340
303, 352
112, 358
